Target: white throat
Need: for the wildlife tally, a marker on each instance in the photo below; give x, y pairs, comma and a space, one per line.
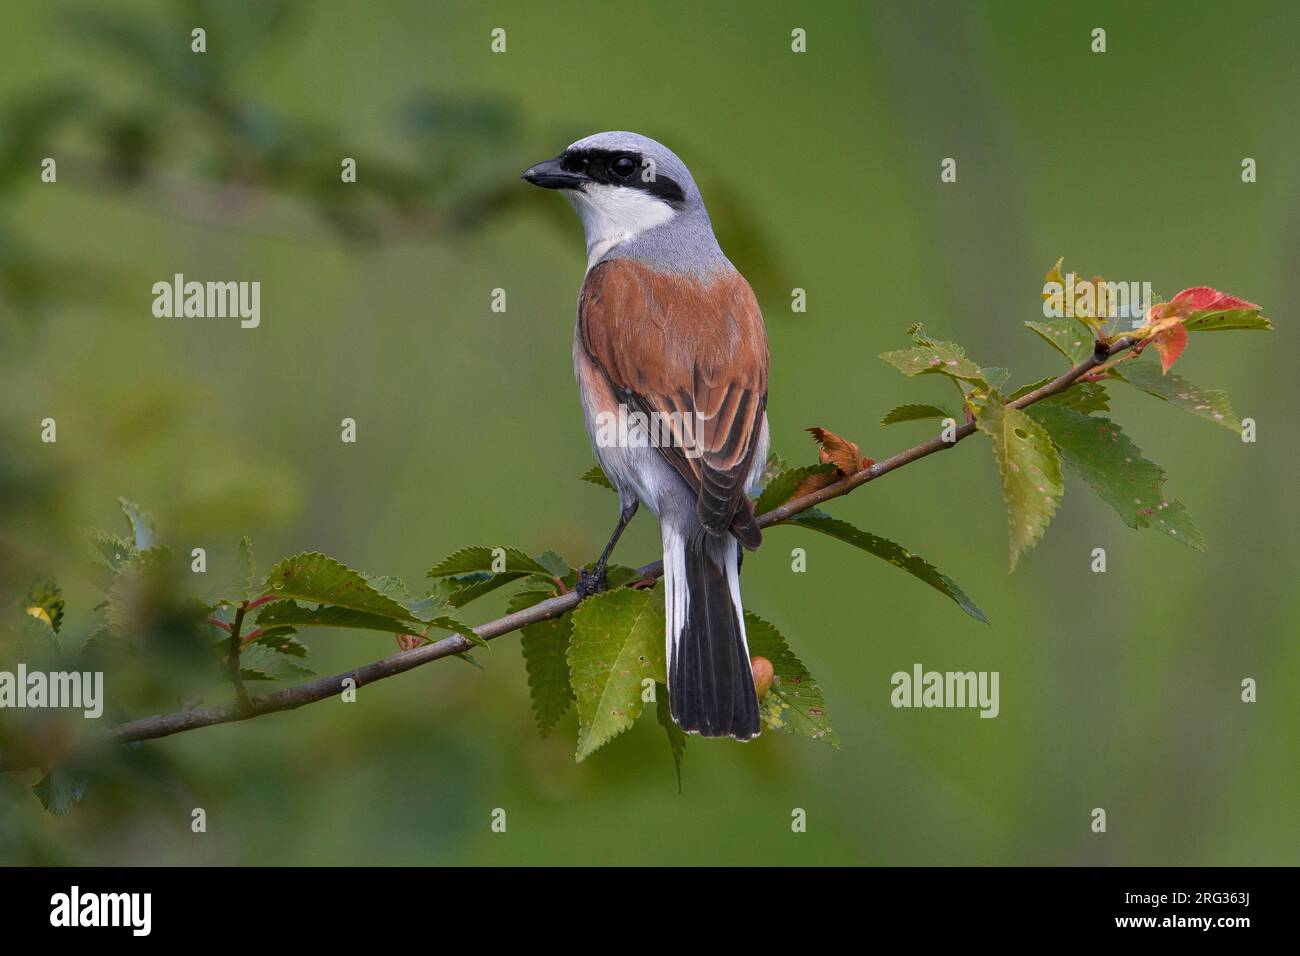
614, 214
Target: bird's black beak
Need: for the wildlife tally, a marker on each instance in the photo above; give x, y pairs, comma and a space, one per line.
550, 174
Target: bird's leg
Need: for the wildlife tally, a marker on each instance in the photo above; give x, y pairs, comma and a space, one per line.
594, 581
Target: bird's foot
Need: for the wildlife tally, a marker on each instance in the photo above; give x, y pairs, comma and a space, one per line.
592, 582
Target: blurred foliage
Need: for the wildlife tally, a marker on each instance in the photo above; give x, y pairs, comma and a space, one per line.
188, 138
820, 171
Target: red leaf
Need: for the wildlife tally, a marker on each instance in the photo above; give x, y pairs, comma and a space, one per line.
1170, 344
1202, 298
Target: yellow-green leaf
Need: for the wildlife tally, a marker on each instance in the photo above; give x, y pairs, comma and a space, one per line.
545, 646
915, 412
941, 358
617, 643
1208, 403
676, 736
794, 703
1030, 469
1066, 337
319, 579
782, 488
596, 476
1099, 452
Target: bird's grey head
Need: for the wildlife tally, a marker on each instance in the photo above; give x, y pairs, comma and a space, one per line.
626, 186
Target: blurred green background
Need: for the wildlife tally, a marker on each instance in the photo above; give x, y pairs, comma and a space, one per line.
822, 171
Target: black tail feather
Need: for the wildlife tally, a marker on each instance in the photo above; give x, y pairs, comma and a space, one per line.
710, 682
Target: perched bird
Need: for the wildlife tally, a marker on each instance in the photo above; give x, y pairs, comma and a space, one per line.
668, 328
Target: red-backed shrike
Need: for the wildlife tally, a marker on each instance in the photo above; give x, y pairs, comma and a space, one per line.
670, 338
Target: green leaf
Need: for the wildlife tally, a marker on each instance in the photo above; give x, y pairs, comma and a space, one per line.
141, 524
1101, 454
781, 488
319, 579
45, 603
1031, 471
251, 581
390, 586
341, 597
676, 737
1220, 320
916, 413
431, 608
1209, 403
293, 614
794, 704
596, 475
617, 642
1066, 337
116, 550
442, 589
259, 662
481, 558
942, 358
887, 550
466, 588
1082, 397
60, 789
476, 564
471, 587
283, 639
1024, 390
545, 646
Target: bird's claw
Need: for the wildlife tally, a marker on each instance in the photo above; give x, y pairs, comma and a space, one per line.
591, 582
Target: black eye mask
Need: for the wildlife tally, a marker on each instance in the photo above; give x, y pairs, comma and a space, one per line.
596, 165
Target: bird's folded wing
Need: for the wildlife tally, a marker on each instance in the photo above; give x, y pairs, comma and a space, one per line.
694, 354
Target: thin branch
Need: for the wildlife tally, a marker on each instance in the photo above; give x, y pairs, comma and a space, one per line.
291, 698
232, 659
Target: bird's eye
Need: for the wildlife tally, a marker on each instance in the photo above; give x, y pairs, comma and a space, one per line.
623, 166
